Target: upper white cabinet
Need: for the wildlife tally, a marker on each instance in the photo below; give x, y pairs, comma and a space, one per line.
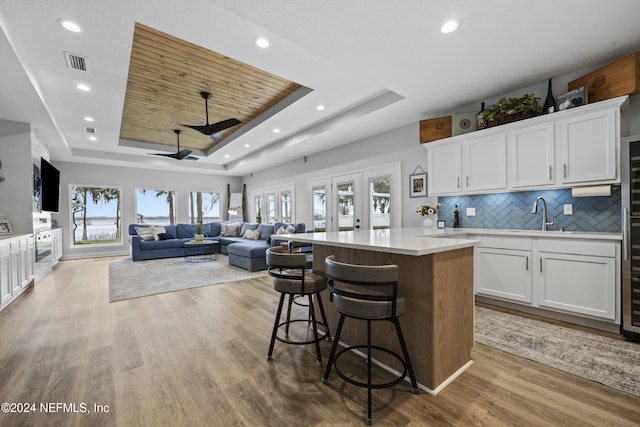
484, 164
579, 146
445, 169
589, 144
531, 156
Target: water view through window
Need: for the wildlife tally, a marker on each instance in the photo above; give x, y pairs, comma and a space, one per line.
96, 215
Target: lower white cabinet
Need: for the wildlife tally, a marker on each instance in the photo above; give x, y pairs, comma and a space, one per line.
56, 244
17, 256
574, 276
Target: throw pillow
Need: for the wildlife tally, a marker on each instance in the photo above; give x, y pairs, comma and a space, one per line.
252, 234
165, 236
157, 230
282, 230
145, 233
229, 230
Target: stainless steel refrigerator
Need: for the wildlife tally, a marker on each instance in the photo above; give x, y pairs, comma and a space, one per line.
630, 174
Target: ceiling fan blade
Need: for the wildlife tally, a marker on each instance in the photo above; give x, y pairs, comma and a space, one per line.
213, 128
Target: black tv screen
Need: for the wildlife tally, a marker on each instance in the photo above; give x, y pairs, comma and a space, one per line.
50, 179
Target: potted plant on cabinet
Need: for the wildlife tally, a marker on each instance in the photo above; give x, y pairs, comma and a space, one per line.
508, 110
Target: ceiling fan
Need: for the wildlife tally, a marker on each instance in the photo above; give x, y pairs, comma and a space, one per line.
180, 154
211, 130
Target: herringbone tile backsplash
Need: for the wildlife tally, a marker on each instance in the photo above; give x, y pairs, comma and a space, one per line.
513, 210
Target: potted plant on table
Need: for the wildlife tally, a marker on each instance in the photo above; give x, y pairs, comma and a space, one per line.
430, 212
199, 235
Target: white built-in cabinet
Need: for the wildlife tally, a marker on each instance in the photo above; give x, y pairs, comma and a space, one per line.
579, 146
17, 256
573, 276
56, 244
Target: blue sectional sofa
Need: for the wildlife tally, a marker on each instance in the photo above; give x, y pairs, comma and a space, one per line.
242, 252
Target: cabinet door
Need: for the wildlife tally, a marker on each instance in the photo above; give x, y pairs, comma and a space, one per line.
444, 169
484, 163
578, 283
14, 268
531, 154
5, 275
503, 273
588, 147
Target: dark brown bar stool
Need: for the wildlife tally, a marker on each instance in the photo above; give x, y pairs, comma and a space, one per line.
369, 293
292, 277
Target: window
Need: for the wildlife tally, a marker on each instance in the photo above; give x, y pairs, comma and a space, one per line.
155, 207
95, 215
271, 208
257, 204
285, 206
204, 207
379, 203
319, 208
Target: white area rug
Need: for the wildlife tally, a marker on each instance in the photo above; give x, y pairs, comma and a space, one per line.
612, 362
128, 279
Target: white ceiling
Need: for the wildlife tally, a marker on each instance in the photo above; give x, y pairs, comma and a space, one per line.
375, 64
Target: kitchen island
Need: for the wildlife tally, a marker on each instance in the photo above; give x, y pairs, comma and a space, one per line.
436, 278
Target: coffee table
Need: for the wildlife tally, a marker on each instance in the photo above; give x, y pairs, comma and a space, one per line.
201, 251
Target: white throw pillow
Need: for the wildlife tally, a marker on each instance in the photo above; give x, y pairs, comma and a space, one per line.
229, 230
290, 229
157, 230
280, 231
145, 233
252, 234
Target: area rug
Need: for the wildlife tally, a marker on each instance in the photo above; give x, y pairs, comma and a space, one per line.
128, 279
612, 362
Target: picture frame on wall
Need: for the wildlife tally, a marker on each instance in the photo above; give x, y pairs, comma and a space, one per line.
418, 185
5, 228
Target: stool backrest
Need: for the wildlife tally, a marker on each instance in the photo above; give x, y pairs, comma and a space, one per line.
364, 282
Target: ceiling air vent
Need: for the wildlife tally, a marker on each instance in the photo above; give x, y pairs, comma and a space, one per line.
76, 62
91, 131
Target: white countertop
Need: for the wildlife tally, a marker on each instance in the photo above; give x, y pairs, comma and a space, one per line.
418, 241
406, 241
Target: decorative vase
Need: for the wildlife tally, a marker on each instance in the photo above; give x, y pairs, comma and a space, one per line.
429, 221
198, 237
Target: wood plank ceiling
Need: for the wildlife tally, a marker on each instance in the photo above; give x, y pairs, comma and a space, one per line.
166, 76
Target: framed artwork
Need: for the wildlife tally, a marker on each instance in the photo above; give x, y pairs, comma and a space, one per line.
418, 184
5, 228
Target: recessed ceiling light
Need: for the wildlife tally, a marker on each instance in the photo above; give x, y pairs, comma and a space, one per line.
320, 107
276, 130
70, 25
88, 119
83, 87
247, 145
226, 156
93, 138
262, 42
449, 27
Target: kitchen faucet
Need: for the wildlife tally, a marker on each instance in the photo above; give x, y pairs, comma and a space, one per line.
534, 211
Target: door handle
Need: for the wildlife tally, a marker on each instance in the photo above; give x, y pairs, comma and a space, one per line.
458, 182
540, 264
550, 177
625, 235
527, 263
467, 181
564, 166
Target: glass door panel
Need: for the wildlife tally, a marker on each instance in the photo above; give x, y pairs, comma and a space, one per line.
319, 197
379, 203
347, 202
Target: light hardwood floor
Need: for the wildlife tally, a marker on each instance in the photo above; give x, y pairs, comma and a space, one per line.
198, 358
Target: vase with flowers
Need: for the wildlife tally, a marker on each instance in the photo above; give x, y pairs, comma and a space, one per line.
429, 212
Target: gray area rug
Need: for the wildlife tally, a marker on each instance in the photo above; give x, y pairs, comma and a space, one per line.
128, 279
615, 363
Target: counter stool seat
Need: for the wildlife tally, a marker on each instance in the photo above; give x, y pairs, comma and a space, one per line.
292, 277
369, 293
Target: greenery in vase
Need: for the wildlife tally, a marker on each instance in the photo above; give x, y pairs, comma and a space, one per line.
199, 228
427, 209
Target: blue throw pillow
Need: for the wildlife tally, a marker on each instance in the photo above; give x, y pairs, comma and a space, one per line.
166, 236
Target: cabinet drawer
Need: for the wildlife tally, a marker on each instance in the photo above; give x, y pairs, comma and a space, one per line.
578, 247
515, 243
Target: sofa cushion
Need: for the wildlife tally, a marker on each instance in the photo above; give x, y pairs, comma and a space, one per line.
157, 230
160, 244
247, 226
185, 230
257, 249
229, 230
266, 230
251, 234
214, 229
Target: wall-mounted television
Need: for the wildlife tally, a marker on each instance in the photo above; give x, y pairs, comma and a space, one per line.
50, 181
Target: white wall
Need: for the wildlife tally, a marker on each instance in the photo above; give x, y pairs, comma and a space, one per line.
16, 191
128, 180
399, 145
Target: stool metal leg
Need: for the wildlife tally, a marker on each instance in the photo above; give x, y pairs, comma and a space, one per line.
405, 352
324, 317
334, 347
315, 330
369, 363
286, 328
275, 327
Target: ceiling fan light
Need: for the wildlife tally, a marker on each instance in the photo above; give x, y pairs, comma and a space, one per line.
70, 25
262, 42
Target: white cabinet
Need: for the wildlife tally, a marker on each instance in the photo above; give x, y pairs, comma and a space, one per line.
531, 159
578, 146
503, 273
589, 147
56, 244
444, 165
17, 259
578, 277
484, 163
573, 276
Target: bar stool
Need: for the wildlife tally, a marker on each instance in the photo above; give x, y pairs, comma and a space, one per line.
369, 293
292, 277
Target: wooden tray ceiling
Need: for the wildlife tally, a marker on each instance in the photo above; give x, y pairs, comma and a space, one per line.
166, 76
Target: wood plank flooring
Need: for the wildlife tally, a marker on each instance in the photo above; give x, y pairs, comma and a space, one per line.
198, 358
